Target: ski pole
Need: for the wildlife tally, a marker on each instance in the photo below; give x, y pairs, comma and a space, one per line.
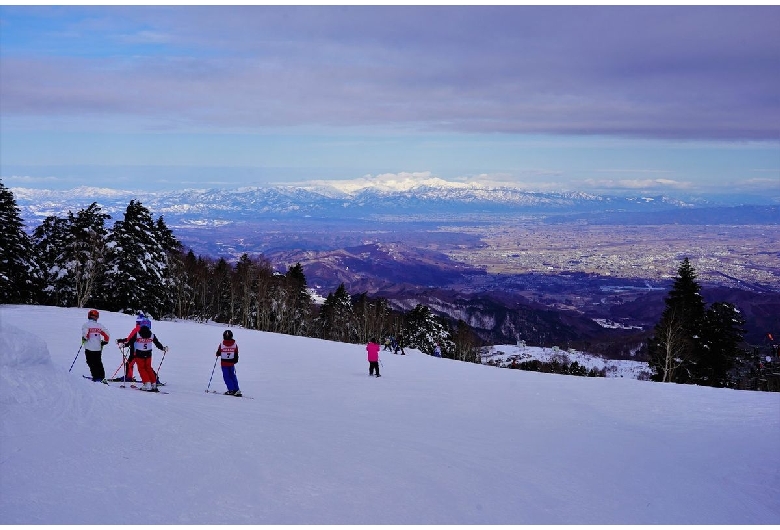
161, 361
124, 367
212, 373
76, 357
122, 351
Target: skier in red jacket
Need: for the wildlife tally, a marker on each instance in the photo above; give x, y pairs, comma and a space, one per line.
142, 342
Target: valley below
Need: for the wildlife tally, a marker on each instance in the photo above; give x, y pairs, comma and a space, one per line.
550, 269
608, 280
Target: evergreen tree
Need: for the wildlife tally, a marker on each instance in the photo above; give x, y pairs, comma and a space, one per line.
72, 252
220, 306
723, 333
51, 239
88, 249
183, 269
424, 330
166, 238
20, 274
675, 349
138, 277
299, 300
243, 282
336, 316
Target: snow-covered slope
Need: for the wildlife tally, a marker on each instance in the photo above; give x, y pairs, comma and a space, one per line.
431, 441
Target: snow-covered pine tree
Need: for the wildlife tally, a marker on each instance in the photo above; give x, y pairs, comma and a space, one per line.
88, 252
20, 274
424, 329
51, 240
72, 254
138, 277
165, 237
90, 238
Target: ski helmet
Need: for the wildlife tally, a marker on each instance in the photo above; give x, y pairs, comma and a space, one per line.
227, 335
143, 320
93, 314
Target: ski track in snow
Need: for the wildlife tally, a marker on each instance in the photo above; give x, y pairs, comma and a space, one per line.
433, 441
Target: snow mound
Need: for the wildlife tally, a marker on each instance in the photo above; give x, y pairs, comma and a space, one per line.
26, 368
20, 348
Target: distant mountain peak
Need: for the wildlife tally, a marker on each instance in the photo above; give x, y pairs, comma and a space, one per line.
392, 182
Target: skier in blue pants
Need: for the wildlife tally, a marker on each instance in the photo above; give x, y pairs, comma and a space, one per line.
228, 353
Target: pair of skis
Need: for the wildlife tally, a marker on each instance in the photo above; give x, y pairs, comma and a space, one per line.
105, 382
134, 387
230, 395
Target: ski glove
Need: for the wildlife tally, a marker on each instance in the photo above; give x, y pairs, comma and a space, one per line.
121, 341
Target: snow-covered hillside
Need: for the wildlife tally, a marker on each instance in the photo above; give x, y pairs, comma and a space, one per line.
503, 356
431, 441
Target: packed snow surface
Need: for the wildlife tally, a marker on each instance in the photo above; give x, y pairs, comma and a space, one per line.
433, 441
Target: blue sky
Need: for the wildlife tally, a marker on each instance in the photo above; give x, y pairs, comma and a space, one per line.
661, 98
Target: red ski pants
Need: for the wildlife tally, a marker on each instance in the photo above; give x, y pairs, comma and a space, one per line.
145, 369
130, 364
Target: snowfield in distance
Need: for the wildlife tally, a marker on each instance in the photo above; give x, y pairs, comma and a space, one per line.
433, 441
503, 355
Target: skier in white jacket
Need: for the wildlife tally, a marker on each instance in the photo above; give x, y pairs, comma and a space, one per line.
94, 336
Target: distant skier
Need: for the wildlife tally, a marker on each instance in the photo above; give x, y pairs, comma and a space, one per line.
141, 343
388, 343
373, 357
400, 344
436, 350
94, 336
228, 353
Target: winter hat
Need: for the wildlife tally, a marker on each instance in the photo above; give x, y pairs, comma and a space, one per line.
145, 332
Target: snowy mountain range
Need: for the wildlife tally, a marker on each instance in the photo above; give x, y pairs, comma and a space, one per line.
334, 200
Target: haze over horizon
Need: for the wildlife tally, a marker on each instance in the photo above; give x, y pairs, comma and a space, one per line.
599, 99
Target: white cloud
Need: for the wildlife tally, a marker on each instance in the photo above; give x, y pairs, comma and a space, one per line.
638, 183
27, 179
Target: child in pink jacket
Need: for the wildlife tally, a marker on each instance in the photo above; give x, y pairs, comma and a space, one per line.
373, 357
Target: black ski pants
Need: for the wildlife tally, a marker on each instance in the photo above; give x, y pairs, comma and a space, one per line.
95, 363
373, 366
